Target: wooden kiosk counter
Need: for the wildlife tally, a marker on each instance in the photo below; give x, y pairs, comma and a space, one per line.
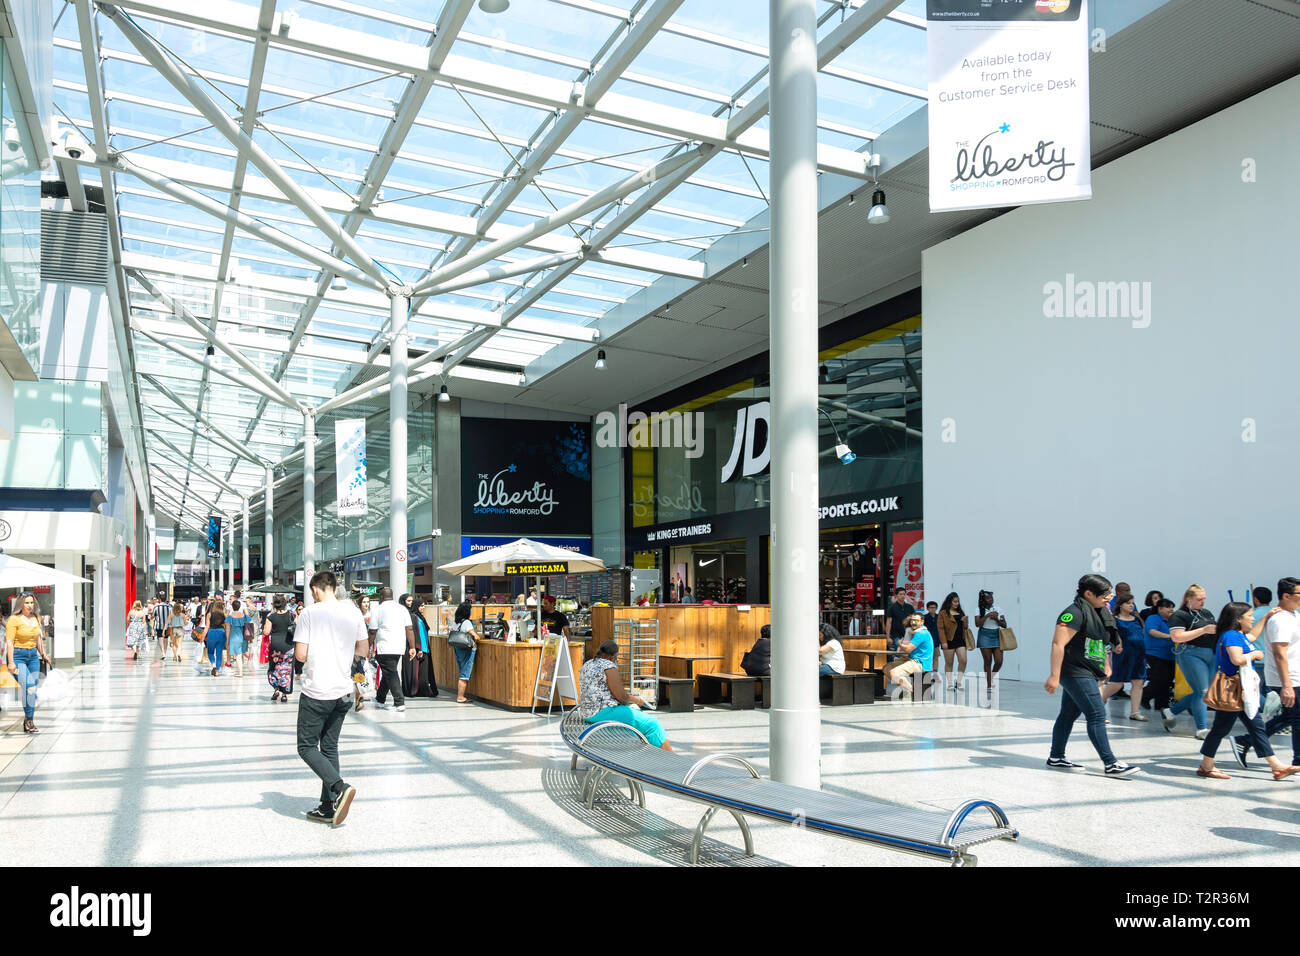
503, 673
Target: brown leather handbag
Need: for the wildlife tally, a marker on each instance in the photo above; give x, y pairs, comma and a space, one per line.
1225, 692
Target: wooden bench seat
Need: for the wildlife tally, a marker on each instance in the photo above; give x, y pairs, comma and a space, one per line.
740, 689
679, 693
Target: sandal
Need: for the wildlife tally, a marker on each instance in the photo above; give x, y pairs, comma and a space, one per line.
464, 701
1213, 773
1140, 717
1285, 772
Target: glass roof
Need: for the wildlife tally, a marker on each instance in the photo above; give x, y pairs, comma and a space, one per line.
422, 174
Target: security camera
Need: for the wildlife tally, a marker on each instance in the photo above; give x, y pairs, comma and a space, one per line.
73, 144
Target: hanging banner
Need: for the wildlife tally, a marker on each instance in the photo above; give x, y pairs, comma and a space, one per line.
350, 466
909, 566
1009, 114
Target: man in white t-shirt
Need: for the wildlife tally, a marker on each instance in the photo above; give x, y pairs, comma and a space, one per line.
1281, 646
394, 636
328, 637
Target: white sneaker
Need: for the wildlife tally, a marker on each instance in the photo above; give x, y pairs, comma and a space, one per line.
1168, 718
381, 706
1203, 733
400, 708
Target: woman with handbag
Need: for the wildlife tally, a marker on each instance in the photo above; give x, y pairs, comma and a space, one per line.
1192, 629
175, 626
278, 630
216, 632
952, 638
989, 620
25, 652
464, 644
1235, 650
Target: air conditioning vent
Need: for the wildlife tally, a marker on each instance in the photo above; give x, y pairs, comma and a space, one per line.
74, 247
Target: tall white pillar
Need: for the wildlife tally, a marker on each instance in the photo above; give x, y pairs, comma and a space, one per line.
244, 581
795, 720
397, 449
230, 553
65, 609
308, 503
268, 544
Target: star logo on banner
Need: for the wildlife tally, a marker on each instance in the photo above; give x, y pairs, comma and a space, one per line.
1004, 128
514, 468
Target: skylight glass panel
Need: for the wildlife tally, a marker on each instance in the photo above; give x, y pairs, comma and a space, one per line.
197, 48
714, 68
890, 50
406, 22
543, 25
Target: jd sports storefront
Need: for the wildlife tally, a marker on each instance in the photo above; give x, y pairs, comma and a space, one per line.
697, 470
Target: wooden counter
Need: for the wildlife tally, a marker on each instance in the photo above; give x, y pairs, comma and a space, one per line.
503, 673
714, 630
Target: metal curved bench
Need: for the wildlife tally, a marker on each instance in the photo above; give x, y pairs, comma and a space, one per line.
728, 782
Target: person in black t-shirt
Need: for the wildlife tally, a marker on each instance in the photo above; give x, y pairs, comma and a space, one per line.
897, 612
1194, 632
555, 622
1085, 632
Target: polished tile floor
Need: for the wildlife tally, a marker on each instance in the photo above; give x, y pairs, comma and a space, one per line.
148, 764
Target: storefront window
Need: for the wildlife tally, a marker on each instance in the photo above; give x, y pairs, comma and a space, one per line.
870, 401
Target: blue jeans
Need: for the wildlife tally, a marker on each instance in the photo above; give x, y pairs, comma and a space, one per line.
826, 671
1197, 665
216, 643
1286, 717
465, 660
1079, 695
28, 663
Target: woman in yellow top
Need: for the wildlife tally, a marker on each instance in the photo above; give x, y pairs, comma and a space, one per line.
25, 643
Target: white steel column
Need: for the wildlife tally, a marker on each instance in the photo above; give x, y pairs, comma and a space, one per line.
230, 553
401, 307
268, 544
308, 503
243, 578
795, 722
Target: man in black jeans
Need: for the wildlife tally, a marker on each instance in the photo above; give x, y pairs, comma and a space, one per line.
897, 612
328, 637
394, 635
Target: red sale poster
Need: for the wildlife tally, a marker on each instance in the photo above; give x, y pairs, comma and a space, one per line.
909, 565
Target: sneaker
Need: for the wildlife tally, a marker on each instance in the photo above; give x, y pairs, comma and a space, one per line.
321, 814
381, 705
1169, 719
1118, 769
342, 803
1239, 750
1203, 733
400, 708
1060, 763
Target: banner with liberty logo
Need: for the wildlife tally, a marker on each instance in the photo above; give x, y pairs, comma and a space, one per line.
1009, 110
350, 466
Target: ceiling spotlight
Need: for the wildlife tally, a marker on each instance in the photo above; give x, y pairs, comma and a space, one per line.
850, 199
443, 396
494, 6
338, 284
825, 373
744, 263
209, 355
845, 456
600, 359
879, 214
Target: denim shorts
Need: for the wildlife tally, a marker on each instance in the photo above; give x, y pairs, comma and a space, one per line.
988, 637
465, 660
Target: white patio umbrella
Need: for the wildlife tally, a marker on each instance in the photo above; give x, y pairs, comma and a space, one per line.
524, 551
17, 573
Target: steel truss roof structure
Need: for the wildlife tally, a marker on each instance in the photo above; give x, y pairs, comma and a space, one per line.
273, 172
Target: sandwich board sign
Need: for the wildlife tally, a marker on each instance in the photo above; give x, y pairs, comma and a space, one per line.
554, 673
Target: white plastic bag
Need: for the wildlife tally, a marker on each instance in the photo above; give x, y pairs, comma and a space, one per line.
55, 687
1250, 690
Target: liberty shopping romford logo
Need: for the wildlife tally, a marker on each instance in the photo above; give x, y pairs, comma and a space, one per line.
497, 495
979, 166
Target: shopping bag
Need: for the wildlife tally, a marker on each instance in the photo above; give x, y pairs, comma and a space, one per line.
265, 656
55, 687
1181, 687
1007, 639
